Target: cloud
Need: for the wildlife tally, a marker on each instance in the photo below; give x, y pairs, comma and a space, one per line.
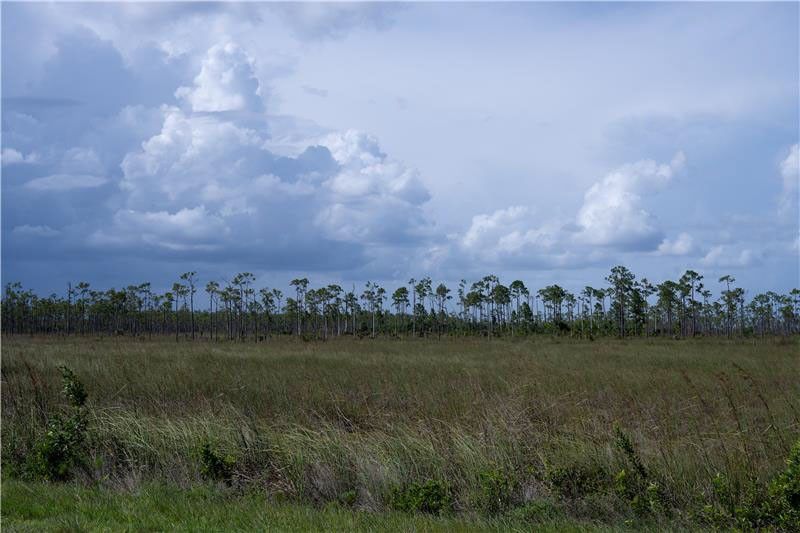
790, 172
613, 212
314, 91
12, 157
515, 237
682, 245
226, 82
70, 81
612, 218
503, 229
726, 256
341, 191
184, 230
65, 182
27, 230
183, 124
321, 20
365, 170
191, 154
80, 159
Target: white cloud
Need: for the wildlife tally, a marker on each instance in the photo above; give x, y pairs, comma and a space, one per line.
226, 82
190, 153
612, 217
726, 256
613, 212
184, 230
487, 230
80, 160
514, 237
790, 172
65, 182
682, 245
27, 230
340, 187
11, 156
368, 171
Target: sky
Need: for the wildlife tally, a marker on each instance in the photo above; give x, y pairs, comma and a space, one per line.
353, 142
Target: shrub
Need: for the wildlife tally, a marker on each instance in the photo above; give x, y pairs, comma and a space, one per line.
742, 507
430, 497
577, 480
61, 448
624, 443
536, 511
784, 493
348, 498
497, 491
644, 494
63, 445
72, 388
214, 466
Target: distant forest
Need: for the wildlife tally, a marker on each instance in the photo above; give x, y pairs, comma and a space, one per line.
238, 311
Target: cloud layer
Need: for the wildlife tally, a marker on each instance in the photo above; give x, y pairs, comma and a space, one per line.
281, 140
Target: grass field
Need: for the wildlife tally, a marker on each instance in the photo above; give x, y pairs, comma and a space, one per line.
426, 435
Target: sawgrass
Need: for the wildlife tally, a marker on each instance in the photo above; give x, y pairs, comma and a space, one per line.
354, 423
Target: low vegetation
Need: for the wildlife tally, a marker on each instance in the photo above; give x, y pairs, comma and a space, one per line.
469, 433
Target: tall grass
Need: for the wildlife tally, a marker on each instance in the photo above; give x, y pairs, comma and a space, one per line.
357, 421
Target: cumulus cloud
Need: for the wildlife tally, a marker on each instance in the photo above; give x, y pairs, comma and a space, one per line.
12, 157
27, 230
727, 256
65, 182
339, 189
365, 170
790, 172
373, 198
514, 237
226, 82
683, 244
613, 211
191, 154
612, 217
172, 150
506, 231
184, 230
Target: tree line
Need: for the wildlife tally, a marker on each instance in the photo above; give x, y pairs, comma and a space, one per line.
624, 306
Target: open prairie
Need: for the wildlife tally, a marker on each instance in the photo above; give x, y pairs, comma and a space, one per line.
408, 434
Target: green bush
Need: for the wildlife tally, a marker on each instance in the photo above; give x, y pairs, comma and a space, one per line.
756, 506
348, 498
430, 497
637, 486
624, 443
215, 467
62, 447
784, 493
72, 388
497, 491
736, 505
578, 480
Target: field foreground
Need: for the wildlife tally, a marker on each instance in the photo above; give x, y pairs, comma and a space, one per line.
393, 434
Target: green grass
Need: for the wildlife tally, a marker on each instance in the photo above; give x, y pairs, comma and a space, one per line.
316, 423
42, 507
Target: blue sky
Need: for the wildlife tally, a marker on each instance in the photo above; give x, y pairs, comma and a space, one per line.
349, 142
